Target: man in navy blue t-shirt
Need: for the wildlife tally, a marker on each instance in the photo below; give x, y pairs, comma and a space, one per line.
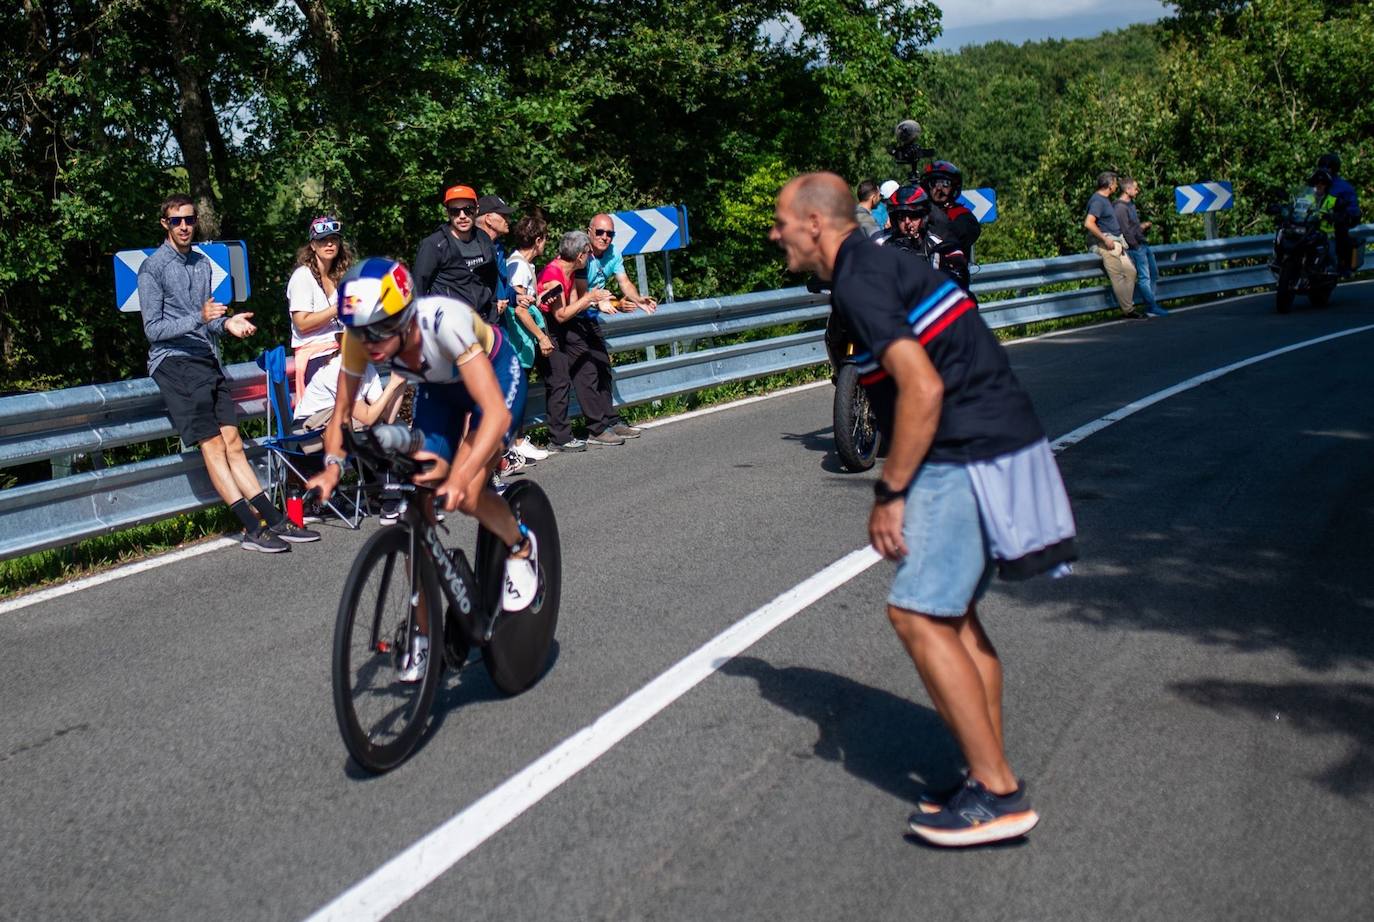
969, 487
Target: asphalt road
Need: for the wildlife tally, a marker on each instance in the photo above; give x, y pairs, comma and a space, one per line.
1193, 710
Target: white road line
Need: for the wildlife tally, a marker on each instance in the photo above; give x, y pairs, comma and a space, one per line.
394, 883
56, 592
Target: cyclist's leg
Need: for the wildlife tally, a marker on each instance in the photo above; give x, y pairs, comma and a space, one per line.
481, 502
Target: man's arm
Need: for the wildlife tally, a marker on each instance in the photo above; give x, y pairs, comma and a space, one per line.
920, 393
632, 294
426, 265
369, 414
1090, 222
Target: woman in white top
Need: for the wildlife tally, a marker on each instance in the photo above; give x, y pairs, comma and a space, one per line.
320, 263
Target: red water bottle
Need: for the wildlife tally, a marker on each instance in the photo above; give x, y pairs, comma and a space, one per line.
295, 508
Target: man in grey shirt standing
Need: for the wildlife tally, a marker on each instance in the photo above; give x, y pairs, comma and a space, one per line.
183, 324
1104, 237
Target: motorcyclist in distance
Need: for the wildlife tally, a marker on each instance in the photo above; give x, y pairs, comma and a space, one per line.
1327, 207
911, 211
1346, 214
950, 220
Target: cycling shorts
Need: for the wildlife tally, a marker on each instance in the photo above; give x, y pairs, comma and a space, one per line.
442, 410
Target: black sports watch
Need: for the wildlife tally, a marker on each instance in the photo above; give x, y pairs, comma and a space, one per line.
883, 494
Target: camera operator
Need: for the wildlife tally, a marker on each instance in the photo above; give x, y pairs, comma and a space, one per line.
950, 220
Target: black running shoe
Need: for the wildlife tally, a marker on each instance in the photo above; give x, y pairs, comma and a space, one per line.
265, 541
976, 816
294, 533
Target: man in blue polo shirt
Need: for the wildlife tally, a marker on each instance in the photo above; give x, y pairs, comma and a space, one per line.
969, 487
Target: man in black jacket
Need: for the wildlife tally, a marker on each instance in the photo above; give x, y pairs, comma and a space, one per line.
459, 259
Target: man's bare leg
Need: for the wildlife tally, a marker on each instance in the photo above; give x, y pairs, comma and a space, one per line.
984, 656
245, 478
955, 684
215, 454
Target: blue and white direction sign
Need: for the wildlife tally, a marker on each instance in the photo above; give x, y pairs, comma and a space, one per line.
1200, 197
651, 230
982, 202
228, 272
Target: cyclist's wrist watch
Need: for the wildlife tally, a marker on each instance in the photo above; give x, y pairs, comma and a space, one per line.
883, 494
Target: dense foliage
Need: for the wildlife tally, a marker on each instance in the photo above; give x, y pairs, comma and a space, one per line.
270, 111
273, 111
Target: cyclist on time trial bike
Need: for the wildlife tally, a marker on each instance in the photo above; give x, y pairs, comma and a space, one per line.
469, 404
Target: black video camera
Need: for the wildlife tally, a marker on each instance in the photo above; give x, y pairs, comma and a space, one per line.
907, 149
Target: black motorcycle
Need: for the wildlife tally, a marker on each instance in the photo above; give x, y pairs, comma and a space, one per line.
1302, 262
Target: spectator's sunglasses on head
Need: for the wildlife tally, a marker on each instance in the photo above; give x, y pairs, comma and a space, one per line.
462, 209
324, 228
178, 220
384, 329
602, 232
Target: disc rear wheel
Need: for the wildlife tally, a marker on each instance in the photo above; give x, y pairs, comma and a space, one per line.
518, 653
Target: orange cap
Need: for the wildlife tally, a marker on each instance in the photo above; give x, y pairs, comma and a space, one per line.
457, 192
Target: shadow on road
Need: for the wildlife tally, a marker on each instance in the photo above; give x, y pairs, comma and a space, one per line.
1339, 709
819, 440
875, 735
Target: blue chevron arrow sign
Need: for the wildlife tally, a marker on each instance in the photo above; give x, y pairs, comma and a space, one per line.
982, 202
651, 230
1200, 197
229, 279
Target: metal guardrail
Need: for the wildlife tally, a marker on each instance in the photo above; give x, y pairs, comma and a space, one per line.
88, 420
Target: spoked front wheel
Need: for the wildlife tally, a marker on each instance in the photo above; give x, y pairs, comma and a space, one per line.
518, 653
856, 432
387, 659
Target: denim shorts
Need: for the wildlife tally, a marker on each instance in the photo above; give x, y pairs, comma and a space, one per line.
442, 411
948, 564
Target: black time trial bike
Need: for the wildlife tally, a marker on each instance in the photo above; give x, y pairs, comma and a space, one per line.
405, 585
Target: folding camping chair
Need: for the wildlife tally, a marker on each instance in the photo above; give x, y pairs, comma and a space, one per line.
283, 445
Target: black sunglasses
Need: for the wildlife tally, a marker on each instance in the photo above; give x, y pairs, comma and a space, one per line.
384, 329
604, 233
463, 209
178, 220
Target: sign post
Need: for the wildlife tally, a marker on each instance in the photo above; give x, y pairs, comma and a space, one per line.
652, 230
1206, 198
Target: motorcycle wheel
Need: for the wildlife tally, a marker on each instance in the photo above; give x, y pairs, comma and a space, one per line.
1283, 295
1320, 295
856, 431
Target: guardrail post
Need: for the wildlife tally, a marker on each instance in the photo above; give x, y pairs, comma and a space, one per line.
62, 466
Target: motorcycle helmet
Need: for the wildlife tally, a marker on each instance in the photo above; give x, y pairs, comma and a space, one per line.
1330, 162
943, 169
376, 298
1320, 176
912, 200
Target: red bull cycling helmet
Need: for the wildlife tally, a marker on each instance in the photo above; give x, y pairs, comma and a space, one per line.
376, 298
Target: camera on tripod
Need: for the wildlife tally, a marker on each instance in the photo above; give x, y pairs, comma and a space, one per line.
908, 149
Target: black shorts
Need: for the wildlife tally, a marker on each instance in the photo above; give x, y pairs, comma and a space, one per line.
197, 396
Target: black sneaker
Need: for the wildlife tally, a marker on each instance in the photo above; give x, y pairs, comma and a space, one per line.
627, 431
976, 816
264, 540
294, 533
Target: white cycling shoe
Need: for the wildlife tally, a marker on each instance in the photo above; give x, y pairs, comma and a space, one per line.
522, 579
415, 663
